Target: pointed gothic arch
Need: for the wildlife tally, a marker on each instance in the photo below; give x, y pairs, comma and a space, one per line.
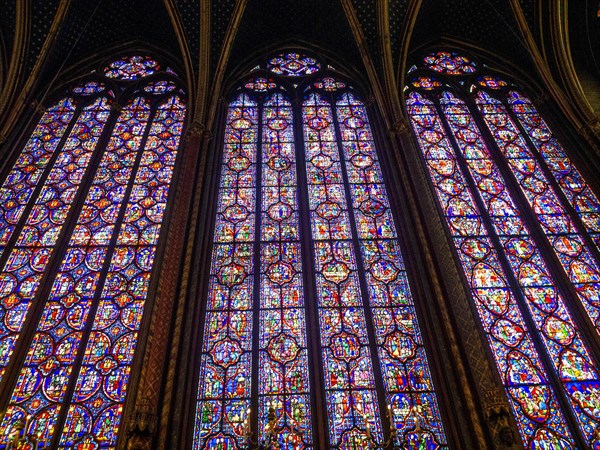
306, 280
83, 206
523, 223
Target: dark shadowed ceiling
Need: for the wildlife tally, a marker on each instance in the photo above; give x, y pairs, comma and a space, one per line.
319, 24
91, 27
212, 39
488, 24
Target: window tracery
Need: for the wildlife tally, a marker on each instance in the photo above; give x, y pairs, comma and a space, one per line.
308, 294
84, 206
526, 251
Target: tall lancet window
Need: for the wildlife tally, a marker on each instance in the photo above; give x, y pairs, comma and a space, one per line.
80, 219
525, 227
309, 322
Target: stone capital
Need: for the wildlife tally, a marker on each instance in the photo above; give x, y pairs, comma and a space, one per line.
497, 414
141, 426
399, 127
38, 107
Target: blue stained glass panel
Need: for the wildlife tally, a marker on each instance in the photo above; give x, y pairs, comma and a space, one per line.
258, 250
349, 381
20, 279
17, 189
67, 308
226, 359
569, 178
545, 302
102, 380
580, 266
284, 387
404, 365
532, 397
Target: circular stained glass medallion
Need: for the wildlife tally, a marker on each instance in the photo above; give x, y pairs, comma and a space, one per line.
329, 84
450, 63
160, 87
131, 68
92, 87
426, 83
293, 65
260, 84
491, 82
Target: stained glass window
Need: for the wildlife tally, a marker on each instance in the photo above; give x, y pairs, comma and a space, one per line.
450, 63
260, 84
524, 226
83, 207
293, 65
131, 67
306, 255
426, 83
329, 84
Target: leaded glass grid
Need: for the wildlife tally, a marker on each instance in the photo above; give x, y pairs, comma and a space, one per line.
523, 222
309, 320
81, 214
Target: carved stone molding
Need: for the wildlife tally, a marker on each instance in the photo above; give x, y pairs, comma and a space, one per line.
591, 132
195, 130
369, 101
198, 130
38, 107
497, 414
141, 426
593, 124
541, 99
399, 127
